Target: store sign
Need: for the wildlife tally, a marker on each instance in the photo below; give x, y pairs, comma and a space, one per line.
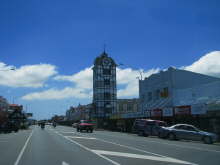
198, 109
182, 110
168, 111
156, 112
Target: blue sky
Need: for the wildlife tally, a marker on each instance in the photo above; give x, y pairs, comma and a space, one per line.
50, 41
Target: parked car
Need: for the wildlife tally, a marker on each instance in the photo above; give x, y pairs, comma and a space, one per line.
74, 125
146, 127
187, 132
85, 125
8, 127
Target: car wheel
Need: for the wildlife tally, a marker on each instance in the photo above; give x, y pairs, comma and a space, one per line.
171, 136
160, 135
207, 140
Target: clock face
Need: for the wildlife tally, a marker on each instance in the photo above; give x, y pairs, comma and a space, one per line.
106, 62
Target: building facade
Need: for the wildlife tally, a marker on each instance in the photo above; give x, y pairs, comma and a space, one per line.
81, 112
175, 87
180, 96
104, 86
126, 112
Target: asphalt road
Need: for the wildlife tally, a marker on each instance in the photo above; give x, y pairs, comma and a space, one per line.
65, 146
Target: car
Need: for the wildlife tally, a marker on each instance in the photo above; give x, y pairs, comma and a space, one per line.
8, 127
187, 132
74, 125
85, 125
147, 127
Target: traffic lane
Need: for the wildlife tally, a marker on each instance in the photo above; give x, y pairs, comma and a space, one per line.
198, 155
12, 145
214, 146
179, 143
118, 153
46, 147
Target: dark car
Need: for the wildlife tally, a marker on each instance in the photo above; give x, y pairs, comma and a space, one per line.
146, 127
8, 127
187, 132
85, 125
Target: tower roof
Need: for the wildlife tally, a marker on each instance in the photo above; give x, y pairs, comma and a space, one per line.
103, 55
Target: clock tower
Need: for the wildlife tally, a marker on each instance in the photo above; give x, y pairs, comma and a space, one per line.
104, 87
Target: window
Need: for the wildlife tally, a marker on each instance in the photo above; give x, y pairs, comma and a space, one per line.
130, 107
189, 128
125, 107
107, 96
106, 71
165, 92
149, 96
157, 94
135, 107
107, 82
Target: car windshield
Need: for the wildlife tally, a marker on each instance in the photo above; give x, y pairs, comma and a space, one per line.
109, 82
85, 121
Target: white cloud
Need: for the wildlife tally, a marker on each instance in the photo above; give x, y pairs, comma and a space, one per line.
56, 94
82, 79
36, 75
83, 85
26, 76
128, 77
208, 64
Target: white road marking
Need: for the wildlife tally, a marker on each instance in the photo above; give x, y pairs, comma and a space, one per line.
86, 148
80, 137
129, 147
64, 163
176, 145
67, 132
157, 157
137, 156
187, 147
23, 149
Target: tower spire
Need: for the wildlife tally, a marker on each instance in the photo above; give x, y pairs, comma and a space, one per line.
104, 48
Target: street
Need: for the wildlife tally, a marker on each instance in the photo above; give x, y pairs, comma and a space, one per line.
64, 146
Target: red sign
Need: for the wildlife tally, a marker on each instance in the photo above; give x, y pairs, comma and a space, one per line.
182, 110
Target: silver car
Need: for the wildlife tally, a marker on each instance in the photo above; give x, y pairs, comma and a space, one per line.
187, 132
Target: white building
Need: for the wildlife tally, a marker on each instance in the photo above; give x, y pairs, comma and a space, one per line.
175, 87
